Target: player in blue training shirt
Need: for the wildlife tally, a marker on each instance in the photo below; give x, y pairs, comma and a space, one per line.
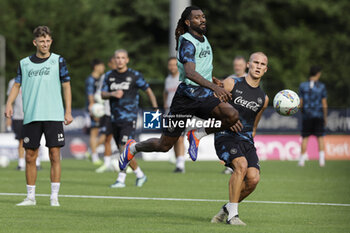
41, 77
121, 87
197, 95
92, 84
313, 104
235, 146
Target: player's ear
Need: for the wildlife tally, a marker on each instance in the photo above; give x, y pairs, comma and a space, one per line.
187, 22
34, 43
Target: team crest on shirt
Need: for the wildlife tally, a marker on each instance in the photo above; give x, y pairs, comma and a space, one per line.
129, 79
233, 151
259, 100
53, 62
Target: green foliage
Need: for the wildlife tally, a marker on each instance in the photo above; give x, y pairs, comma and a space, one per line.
295, 34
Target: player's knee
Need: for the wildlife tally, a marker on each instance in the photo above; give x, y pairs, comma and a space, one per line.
240, 166
231, 116
252, 182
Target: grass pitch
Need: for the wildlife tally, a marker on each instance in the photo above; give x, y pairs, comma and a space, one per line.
280, 181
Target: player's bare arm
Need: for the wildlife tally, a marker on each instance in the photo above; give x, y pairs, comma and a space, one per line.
13, 95
114, 94
152, 98
67, 94
221, 93
258, 116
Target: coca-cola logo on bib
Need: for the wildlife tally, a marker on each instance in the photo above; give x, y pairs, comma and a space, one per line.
41, 72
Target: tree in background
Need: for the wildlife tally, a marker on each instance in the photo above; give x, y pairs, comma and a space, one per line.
293, 33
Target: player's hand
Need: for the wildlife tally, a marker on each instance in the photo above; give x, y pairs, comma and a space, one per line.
218, 82
68, 118
8, 111
222, 94
237, 127
117, 94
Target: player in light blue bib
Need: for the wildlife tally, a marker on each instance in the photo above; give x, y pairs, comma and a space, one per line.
41, 77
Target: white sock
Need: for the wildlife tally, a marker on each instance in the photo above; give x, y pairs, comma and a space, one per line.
55, 187
232, 209
94, 157
21, 162
133, 149
321, 158
303, 157
199, 133
180, 162
31, 192
37, 162
138, 172
107, 160
121, 177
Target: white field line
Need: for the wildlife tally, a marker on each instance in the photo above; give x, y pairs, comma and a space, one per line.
178, 199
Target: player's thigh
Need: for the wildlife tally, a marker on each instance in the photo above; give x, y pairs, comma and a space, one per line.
126, 132
32, 134
253, 175
54, 133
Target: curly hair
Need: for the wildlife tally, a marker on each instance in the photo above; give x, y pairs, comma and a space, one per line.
182, 28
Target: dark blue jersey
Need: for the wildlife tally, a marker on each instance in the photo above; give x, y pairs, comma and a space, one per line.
248, 101
312, 95
64, 75
124, 109
91, 87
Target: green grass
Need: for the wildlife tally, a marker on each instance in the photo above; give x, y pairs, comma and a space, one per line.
280, 181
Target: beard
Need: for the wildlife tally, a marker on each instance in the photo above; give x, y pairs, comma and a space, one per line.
199, 29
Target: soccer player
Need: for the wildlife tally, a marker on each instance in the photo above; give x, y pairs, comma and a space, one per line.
314, 108
121, 87
236, 146
106, 129
197, 95
239, 67
91, 86
40, 77
171, 83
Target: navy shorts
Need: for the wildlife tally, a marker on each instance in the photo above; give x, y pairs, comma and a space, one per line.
17, 126
313, 126
106, 125
53, 131
123, 132
189, 101
95, 122
228, 148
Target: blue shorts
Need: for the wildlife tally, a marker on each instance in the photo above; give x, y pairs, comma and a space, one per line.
229, 147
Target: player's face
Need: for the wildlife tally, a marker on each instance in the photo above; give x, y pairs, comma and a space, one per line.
257, 65
100, 68
172, 67
121, 60
112, 64
239, 66
43, 44
198, 22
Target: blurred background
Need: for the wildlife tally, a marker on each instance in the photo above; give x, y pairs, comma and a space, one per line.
294, 34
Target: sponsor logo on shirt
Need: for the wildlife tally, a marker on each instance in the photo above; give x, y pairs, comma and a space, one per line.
247, 104
204, 52
41, 72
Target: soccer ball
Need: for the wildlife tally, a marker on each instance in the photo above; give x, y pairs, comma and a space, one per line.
4, 161
97, 110
286, 102
98, 98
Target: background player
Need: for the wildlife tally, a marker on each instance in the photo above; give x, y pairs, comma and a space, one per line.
314, 108
171, 83
121, 87
239, 67
43, 73
92, 86
106, 129
236, 146
197, 95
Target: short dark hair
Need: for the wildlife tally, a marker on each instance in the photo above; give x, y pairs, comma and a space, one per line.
95, 62
314, 70
41, 31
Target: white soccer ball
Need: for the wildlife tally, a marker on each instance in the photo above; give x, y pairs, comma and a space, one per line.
98, 98
286, 102
4, 161
97, 110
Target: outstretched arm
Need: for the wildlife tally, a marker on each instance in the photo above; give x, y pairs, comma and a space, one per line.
152, 97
